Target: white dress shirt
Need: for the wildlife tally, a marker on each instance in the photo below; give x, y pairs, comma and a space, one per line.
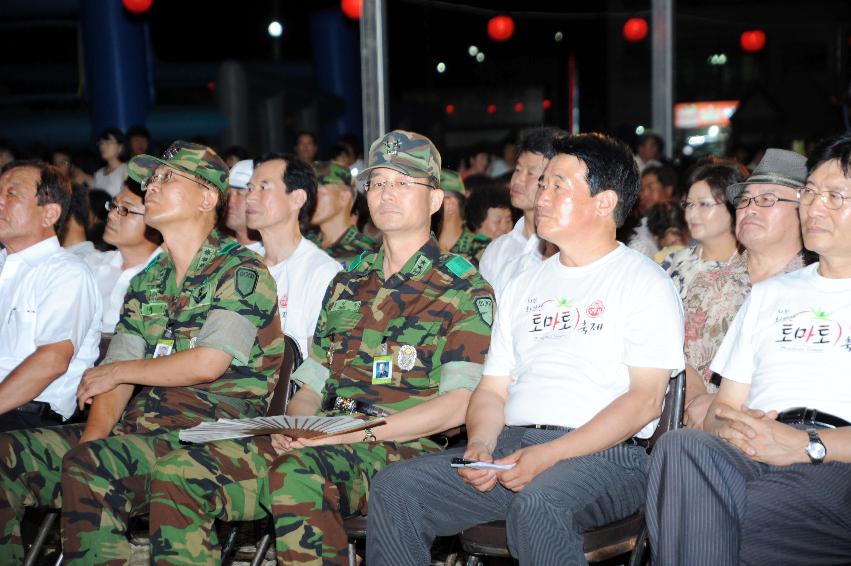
48, 295
112, 282
504, 249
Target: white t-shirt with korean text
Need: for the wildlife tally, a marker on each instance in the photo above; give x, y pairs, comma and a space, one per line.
791, 341
567, 336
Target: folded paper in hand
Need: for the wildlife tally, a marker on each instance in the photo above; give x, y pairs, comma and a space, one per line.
294, 427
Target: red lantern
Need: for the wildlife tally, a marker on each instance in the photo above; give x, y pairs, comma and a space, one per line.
752, 41
137, 6
519, 107
635, 29
352, 8
546, 104
500, 28
491, 108
450, 109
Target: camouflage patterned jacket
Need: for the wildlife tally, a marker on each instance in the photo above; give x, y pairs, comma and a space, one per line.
433, 318
471, 246
348, 247
227, 301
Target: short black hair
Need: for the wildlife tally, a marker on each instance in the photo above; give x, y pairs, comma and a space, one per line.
340, 148
660, 141
610, 165
97, 201
539, 140
52, 188
120, 138
138, 131
297, 175
719, 174
236, 151
483, 199
306, 133
666, 216
665, 173
837, 147
79, 207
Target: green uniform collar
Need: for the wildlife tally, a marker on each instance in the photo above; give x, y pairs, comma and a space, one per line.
416, 266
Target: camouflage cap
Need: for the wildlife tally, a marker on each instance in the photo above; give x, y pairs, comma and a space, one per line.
333, 174
406, 152
451, 181
198, 160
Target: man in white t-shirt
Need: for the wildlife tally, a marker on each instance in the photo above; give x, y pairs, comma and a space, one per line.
281, 192
769, 481
137, 245
582, 350
534, 151
49, 305
238, 178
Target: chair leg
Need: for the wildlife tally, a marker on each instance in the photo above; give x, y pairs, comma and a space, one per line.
353, 554
43, 531
227, 548
637, 555
262, 547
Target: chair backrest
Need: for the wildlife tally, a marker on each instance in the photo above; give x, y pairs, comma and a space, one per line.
105, 339
283, 389
672, 408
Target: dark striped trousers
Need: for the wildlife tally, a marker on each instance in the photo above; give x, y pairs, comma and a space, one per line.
412, 502
709, 504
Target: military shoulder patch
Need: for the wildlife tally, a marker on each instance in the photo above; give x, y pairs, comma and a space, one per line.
484, 306
246, 281
459, 266
482, 238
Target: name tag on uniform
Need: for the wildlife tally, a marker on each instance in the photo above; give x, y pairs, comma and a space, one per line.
382, 370
164, 347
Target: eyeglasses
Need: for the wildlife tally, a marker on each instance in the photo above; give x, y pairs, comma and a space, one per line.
831, 199
167, 177
379, 186
701, 205
120, 209
765, 200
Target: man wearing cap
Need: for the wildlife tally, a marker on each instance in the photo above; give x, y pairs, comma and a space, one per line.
402, 333
534, 151
768, 480
199, 332
454, 234
281, 193
238, 179
767, 226
583, 348
336, 218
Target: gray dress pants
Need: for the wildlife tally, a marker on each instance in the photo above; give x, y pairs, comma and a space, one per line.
412, 502
709, 504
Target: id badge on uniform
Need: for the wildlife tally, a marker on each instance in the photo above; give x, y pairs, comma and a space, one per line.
164, 347
382, 370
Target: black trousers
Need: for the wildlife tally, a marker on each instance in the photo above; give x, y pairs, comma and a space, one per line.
21, 420
709, 504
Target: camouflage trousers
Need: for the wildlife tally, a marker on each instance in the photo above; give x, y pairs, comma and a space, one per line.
307, 491
97, 484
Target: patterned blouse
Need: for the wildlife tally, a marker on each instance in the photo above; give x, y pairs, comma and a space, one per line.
712, 300
683, 266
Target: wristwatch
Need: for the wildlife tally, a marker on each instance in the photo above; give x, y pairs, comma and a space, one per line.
815, 448
369, 436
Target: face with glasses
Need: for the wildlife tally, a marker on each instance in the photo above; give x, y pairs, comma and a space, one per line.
125, 224
767, 216
174, 196
399, 203
707, 218
825, 211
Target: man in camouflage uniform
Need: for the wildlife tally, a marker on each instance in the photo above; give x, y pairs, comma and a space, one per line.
454, 234
335, 216
207, 311
422, 314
